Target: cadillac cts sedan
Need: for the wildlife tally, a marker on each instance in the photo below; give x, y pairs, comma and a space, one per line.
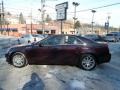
60, 50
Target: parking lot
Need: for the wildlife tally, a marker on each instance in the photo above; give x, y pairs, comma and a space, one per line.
48, 77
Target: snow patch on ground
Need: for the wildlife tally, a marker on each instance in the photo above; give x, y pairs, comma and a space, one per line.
76, 85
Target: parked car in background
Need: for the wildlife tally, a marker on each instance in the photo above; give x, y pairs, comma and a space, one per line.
114, 37
95, 37
38, 37
44, 35
116, 33
29, 38
60, 50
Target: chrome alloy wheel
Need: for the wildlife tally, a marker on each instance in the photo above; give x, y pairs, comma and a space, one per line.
18, 60
88, 62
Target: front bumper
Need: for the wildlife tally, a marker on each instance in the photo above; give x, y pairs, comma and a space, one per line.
8, 59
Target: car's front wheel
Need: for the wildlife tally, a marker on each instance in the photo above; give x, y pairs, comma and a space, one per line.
19, 60
87, 62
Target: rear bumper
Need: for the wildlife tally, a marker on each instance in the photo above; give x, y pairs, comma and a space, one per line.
104, 59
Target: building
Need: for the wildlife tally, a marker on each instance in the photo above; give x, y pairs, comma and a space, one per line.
52, 27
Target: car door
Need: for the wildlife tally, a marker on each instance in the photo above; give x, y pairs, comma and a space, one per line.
38, 54
68, 53
44, 52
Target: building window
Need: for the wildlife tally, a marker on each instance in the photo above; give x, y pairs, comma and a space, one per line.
52, 31
39, 32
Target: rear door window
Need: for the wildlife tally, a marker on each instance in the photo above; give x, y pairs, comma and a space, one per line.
72, 40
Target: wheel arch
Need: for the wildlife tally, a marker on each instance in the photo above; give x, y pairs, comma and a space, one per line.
13, 53
84, 55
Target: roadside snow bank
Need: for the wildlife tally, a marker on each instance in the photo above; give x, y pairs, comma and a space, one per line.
6, 42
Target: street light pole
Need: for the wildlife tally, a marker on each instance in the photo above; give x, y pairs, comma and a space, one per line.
42, 19
0, 16
8, 29
119, 28
31, 22
42, 14
108, 18
75, 4
93, 11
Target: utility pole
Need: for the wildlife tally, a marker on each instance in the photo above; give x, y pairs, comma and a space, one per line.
0, 15
93, 11
2, 20
3, 14
7, 28
31, 22
107, 24
42, 15
119, 29
62, 27
108, 18
75, 4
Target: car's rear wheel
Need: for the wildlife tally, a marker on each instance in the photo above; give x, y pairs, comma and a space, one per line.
87, 62
19, 60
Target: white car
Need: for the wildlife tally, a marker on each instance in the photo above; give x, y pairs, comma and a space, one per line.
38, 37
29, 38
112, 37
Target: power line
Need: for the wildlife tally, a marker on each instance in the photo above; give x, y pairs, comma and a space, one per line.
98, 7
84, 10
90, 8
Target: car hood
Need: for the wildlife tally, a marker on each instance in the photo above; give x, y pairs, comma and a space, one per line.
21, 47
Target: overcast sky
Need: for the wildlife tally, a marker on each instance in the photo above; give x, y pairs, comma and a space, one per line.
25, 6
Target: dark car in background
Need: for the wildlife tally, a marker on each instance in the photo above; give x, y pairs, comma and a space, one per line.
60, 50
95, 37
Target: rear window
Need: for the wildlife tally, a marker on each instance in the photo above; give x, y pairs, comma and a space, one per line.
88, 41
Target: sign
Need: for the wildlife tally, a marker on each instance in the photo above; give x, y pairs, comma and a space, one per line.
106, 25
62, 11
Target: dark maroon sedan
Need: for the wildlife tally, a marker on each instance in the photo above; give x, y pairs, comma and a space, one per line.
60, 50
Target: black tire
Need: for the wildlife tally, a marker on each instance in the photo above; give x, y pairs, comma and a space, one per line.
16, 63
91, 62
